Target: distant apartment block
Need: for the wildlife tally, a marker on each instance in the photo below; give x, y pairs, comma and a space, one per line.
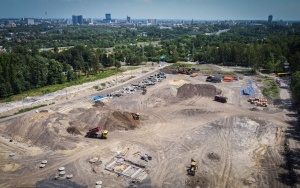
270, 18
152, 22
128, 19
77, 20
108, 16
9, 23
29, 21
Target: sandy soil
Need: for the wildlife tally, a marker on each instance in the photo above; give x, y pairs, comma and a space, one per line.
233, 145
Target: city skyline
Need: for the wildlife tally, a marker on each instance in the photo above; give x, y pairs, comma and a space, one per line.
153, 9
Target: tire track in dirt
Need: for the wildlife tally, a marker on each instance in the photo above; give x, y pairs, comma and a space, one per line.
271, 168
227, 141
194, 100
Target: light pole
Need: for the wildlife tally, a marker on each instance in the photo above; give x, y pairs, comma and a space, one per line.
23, 102
66, 94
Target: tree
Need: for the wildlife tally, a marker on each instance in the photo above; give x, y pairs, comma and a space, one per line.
55, 75
295, 86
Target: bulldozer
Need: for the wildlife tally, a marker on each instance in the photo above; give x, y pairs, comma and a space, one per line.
97, 133
193, 168
136, 116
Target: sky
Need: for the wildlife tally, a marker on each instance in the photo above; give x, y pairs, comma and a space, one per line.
153, 9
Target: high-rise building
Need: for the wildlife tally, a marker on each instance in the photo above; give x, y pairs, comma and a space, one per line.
108, 17
77, 20
270, 18
128, 19
152, 21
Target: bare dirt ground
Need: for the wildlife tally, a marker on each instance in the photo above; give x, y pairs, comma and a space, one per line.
233, 145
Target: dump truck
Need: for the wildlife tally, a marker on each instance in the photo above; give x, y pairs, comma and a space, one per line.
220, 98
97, 133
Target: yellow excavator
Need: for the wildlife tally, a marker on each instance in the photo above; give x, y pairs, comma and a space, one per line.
193, 168
136, 116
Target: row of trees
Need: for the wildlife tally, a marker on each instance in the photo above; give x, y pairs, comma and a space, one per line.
24, 67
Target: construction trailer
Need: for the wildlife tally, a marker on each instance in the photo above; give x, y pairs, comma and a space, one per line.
228, 79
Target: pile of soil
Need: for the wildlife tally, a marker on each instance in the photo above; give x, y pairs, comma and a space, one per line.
44, 130
205, 90
161, 97
57, 131
169, 70
118, 120
108, 119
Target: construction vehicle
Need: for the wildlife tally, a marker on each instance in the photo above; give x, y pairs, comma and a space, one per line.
97, 133
184, 70
193, 168
136, 116
194, 74
209, 77
220, 98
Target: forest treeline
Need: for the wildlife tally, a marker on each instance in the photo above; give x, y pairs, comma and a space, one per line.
24, 67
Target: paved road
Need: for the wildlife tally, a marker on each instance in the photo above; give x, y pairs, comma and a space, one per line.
139, 75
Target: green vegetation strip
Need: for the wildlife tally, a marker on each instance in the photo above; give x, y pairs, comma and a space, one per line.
271, 89
53, 88
182, 65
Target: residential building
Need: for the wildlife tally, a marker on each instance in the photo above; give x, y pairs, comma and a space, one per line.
29, 21
152, 22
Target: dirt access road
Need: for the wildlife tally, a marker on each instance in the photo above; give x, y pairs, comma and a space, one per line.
79, 92
234, 145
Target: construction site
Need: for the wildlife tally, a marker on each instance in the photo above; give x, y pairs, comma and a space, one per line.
161, 129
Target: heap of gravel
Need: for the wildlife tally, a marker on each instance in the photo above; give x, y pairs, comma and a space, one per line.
205, 90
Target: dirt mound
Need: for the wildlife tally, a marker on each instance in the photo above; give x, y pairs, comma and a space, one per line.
169, 70
205, 90
44, 130
161, 97
91, 117
119, 120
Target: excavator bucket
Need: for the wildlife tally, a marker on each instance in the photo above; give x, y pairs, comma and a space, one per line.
136, 116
